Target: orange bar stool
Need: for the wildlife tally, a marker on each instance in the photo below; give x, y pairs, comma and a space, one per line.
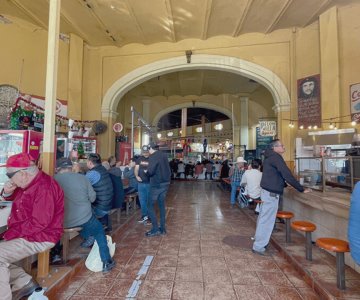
340, 247
286, 215
308, 228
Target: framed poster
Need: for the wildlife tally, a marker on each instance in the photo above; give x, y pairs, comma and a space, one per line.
309, 102
355, 102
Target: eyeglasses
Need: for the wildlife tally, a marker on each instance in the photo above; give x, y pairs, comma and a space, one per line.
280, 146
12, 174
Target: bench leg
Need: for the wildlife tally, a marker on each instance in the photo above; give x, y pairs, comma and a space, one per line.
308, 246
288, 230
340, 270
65, 244
43, 264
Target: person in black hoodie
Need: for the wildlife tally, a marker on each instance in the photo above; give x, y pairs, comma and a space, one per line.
276, 176
160, 174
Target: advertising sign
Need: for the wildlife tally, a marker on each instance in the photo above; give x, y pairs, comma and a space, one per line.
309, 102
355, 102
267, 128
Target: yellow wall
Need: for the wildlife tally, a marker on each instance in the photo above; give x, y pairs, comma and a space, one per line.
24, 42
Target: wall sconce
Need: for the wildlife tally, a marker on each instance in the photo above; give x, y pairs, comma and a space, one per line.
188, 54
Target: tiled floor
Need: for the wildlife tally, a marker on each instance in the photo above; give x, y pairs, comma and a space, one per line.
205, 255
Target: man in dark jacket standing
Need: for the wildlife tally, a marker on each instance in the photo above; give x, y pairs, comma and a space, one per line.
159, 172
275, 174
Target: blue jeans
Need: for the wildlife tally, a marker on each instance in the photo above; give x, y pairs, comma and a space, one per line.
144, 194
103, 217
157, 193
94, 228
234, 186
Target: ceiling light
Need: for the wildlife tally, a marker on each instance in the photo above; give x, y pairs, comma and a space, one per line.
331, 126
159, 135
219, 126
4, 20
198, 129
170, 133
353, 123
309, 127
112, 6
301, 127
315, 127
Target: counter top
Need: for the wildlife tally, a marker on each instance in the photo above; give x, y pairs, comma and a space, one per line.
336, 202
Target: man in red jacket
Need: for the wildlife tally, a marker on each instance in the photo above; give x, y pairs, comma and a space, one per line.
35, 223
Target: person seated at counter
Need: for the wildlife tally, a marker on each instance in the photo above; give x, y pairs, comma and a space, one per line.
79, 194
101, 182
35, 223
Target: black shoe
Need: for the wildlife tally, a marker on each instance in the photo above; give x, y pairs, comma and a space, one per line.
56, 260
152, 233
162, 231
262, 253
26, 290
108, 266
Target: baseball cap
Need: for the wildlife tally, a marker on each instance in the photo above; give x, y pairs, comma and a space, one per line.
64, 163
153, 145
20, 160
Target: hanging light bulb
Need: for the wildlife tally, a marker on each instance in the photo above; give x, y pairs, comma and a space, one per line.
331, 126
335, 127
309, 127
315, 127
353, 123
301, 127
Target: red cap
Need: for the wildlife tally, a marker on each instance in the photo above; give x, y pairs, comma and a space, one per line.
20, 160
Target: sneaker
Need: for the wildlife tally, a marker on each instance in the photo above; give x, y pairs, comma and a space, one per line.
88, 242
108, 266
143, 219
152, 233
26, 290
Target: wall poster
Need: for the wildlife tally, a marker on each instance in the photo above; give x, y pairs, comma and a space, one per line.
309, 102
355, 102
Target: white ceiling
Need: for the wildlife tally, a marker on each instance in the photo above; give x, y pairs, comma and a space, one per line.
120, 22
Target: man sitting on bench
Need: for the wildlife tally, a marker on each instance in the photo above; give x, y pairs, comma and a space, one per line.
35, 223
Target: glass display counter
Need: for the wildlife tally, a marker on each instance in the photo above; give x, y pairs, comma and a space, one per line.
327, 173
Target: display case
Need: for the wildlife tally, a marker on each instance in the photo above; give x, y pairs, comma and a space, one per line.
327, 173
89, 145
18, 141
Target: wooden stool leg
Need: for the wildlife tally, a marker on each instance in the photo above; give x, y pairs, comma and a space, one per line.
65, 244
26, 264
288, 230
134, 204
308, 246
340, 270
43, 264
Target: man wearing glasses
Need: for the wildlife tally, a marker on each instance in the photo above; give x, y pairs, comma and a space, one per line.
276, 176
35, 223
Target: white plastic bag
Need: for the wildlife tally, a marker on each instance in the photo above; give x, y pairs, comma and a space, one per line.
93, 261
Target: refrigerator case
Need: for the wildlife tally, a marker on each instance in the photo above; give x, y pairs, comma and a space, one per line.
89, 145
18, 141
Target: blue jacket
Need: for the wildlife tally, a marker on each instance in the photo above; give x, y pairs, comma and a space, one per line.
354, 224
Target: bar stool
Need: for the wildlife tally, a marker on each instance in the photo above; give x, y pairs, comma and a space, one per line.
286, 215
257, 202
308, 228
340, 247
65, 240
130, 199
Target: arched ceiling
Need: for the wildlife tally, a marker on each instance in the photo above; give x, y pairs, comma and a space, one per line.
195, 82
121, 22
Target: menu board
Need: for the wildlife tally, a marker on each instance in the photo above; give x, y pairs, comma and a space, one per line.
309, 102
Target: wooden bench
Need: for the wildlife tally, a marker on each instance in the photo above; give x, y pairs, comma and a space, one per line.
130, 200
65, 239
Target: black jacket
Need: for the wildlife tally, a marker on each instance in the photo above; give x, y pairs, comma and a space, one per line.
104, 190
275, 173
158, 168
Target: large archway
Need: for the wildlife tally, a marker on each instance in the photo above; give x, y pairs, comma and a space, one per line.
213, 62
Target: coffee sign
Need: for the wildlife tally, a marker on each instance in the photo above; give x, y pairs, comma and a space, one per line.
355, 102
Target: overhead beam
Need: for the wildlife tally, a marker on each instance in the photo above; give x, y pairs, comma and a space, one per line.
29, 13
279, 16
133, 16
170, 18
242, 19
315, 15
206, 19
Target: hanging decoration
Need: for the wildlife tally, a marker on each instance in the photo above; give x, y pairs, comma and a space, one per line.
27, 115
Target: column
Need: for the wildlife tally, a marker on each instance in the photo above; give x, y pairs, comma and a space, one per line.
106, 141
183, 121
244, 121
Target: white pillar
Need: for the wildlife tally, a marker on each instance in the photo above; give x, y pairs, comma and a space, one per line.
51, 84
183, 122
244, 121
